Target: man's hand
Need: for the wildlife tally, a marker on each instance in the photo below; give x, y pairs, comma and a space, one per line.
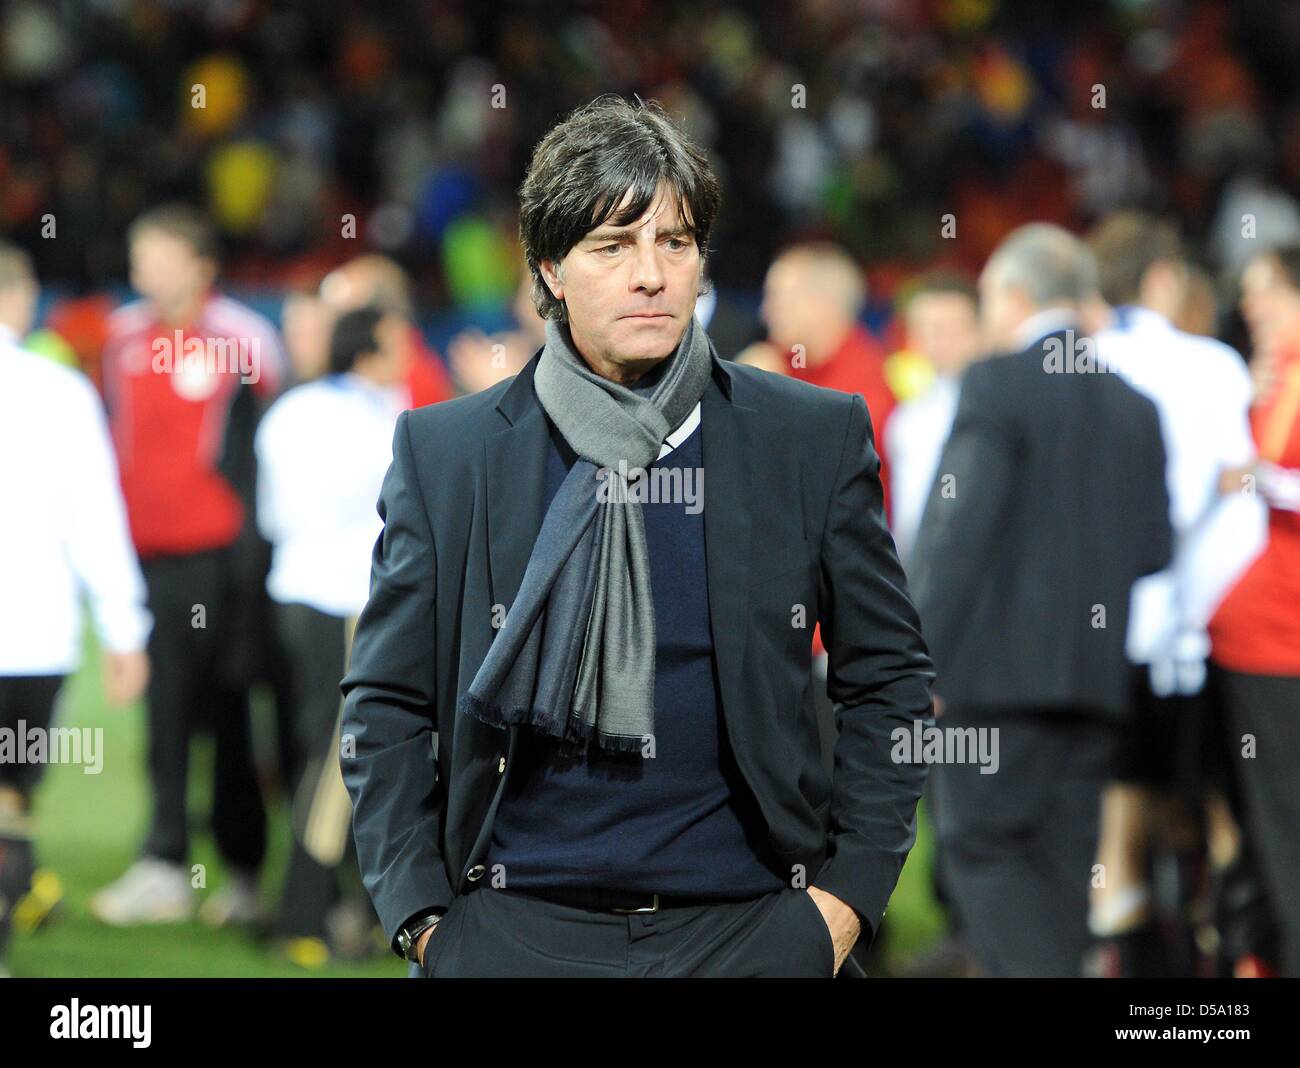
125, 677
841, 919
423, 941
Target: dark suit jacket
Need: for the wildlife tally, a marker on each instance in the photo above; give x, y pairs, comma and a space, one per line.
792, 517
1056, 505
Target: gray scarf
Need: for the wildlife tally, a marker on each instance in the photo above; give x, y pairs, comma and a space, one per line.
575, 656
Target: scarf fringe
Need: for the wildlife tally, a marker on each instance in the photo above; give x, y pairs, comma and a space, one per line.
572, 732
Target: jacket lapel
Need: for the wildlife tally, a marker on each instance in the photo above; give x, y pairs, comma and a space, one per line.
516, 485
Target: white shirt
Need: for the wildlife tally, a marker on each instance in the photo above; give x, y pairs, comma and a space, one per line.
63, 528
323, 449
1202, 391
681, 433
914, 439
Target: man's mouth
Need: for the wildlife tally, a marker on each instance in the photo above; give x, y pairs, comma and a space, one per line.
648, 315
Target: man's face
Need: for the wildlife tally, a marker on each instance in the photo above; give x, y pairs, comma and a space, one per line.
1269, 305
789, 301
630, 290
166, 270
943, 327
307, 323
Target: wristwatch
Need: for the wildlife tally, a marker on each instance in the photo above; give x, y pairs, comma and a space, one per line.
408, 935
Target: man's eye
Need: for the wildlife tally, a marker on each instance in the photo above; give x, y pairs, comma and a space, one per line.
678, 243
605, 249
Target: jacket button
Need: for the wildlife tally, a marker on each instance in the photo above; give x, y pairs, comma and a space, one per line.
475, 873
501, 766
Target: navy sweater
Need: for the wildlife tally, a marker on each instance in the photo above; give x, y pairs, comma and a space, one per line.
684, 822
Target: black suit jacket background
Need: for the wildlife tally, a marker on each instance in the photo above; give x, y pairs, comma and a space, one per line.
1059, 504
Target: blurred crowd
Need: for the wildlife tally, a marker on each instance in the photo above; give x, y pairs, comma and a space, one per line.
867, 122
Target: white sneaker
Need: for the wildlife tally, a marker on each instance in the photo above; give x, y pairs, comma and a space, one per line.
233, 904
151, 891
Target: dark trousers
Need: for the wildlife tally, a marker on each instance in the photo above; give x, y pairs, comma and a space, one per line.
316, 646
1264, 714
1019, 844
505, 933
30, 699
193, 684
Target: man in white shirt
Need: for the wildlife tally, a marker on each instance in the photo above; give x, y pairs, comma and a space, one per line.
322, 450
64, 536
943, 327
1202, 391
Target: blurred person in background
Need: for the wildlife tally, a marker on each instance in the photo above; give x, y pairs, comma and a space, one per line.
184, 370
731, 324
1202, 391
1256, 629
1199, 311
479, 360
812, 296
375, 279
942, 318
306, 322
322, 451
943, 328
1049, 503
65, 535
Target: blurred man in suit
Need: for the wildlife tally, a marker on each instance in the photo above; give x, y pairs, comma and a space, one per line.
1049, 503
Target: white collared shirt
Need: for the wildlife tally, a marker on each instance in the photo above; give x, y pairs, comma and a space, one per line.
64, 531
681, 433
915, 436
1202, 392
322, 450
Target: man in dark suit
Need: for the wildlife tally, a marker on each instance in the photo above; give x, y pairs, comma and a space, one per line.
1049, 503
546, 827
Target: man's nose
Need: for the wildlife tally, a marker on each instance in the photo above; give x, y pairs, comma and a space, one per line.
647, 271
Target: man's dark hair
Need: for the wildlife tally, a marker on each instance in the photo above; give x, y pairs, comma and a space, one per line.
354, 336
182, 221
1126, 245
581, 170
946, 283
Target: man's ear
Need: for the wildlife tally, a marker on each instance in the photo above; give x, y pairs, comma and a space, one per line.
553, 278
